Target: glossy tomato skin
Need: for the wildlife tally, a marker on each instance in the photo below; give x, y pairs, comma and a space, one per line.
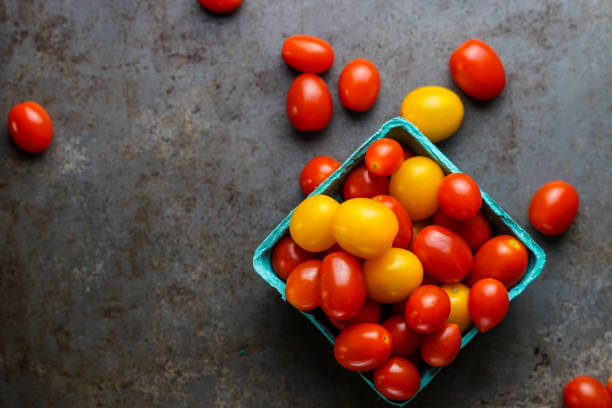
362, 347
307, 53
30, 127
459, 196
358, 85
369, 313
360, 183
312, 221
405, 340
459, 295
475, 231
220, 6
553, 207
427, 309
309, 103
392, 276
586, 392
610, 385
440, 348
397, 379
302, 288
342, 288
403, 239
286, 256
444, 254
503, 258
477, 70
384, 157
316, 172
488, 303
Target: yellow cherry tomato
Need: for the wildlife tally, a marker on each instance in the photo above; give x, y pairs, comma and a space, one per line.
458, 294
393, 276
311, 223
436, 111
364, 227
415, 186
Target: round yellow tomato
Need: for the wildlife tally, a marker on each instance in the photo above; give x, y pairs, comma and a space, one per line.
415, 186
458, 294
393, 276
311, 223
364, 227
436, 111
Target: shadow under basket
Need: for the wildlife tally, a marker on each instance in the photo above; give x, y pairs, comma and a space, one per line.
408, 136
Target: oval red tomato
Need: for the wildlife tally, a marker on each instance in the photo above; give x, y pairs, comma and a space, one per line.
405, 340
586, 392
442, 347
427, 309
287, 255
342, 287
384, 157
309, 103
30, 127
403, 239
369, 313
444, 254
503, 258
459, 196
307, 53
488, 303
302, 288
477, 70
316, 171
220, 6
358, 85
362, 347
397, 379
553, 207
475, 231
360, 183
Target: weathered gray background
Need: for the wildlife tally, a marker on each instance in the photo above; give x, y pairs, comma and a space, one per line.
125, 249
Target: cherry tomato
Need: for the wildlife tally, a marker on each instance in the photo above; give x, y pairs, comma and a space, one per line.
442, 347
477, 70
586, 392
553, 207
458, 294
360, 183
364, 227
408, 154
342, 288
311, 223
403, 239
459, 196
436, 111
30, 127
309, 103
308, 54
369, 313
362, 347
488, 303
358, 85
220, 6
415, 186
417, 226
392, 276
405, 340
384, 157
302, 289
316, 171
475, 231
397, 379
610, 385
427, 309
286, 256
503, 258
445, 255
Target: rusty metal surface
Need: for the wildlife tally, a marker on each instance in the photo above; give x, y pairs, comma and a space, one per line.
125, 249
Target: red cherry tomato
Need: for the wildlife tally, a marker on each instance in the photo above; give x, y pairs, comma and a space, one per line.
302, 289
316, 171
384, 157
358, 85
403, 239
488, 303
475, 231
363, 184
362, 347
427, 309
287, 255
369, 313
220, 6
610, 385
553, 207
586, 392
342, 287
459, 196
477, 70
397, 379
30, 127
503, 258
405, 340
309, 103
440, 348
445, 255
408, 154
308, 54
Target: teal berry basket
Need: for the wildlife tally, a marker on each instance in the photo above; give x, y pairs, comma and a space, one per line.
408, 136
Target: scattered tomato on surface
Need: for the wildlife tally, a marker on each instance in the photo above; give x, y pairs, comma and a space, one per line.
369, 313
220, 6
30, 127
312, 221
427, 309
392, 276
309, 103
308, 54
586, 392
384, 157
405, 340
342, 288
287, 255
503, 258
488, 303
475, 231
441, 347
302, 288
358, 85
553, 207
403, 239
459, 196
316, 172
477, 70
363, 347
458, 294
360, 183
397, 379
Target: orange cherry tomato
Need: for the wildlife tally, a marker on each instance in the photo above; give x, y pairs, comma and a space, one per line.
369, 313
586, 392
459, 196
427, 309
503, 258
286, 256
316, 171
309, 103
307, 53
403, 239
362, 347
358, 85
553, 207
397, 379
477, 70
442, 347
384, 157
30, 127
405, 340
488, 303
302, 289
475, 231
342, 287
360, 183
220, 6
